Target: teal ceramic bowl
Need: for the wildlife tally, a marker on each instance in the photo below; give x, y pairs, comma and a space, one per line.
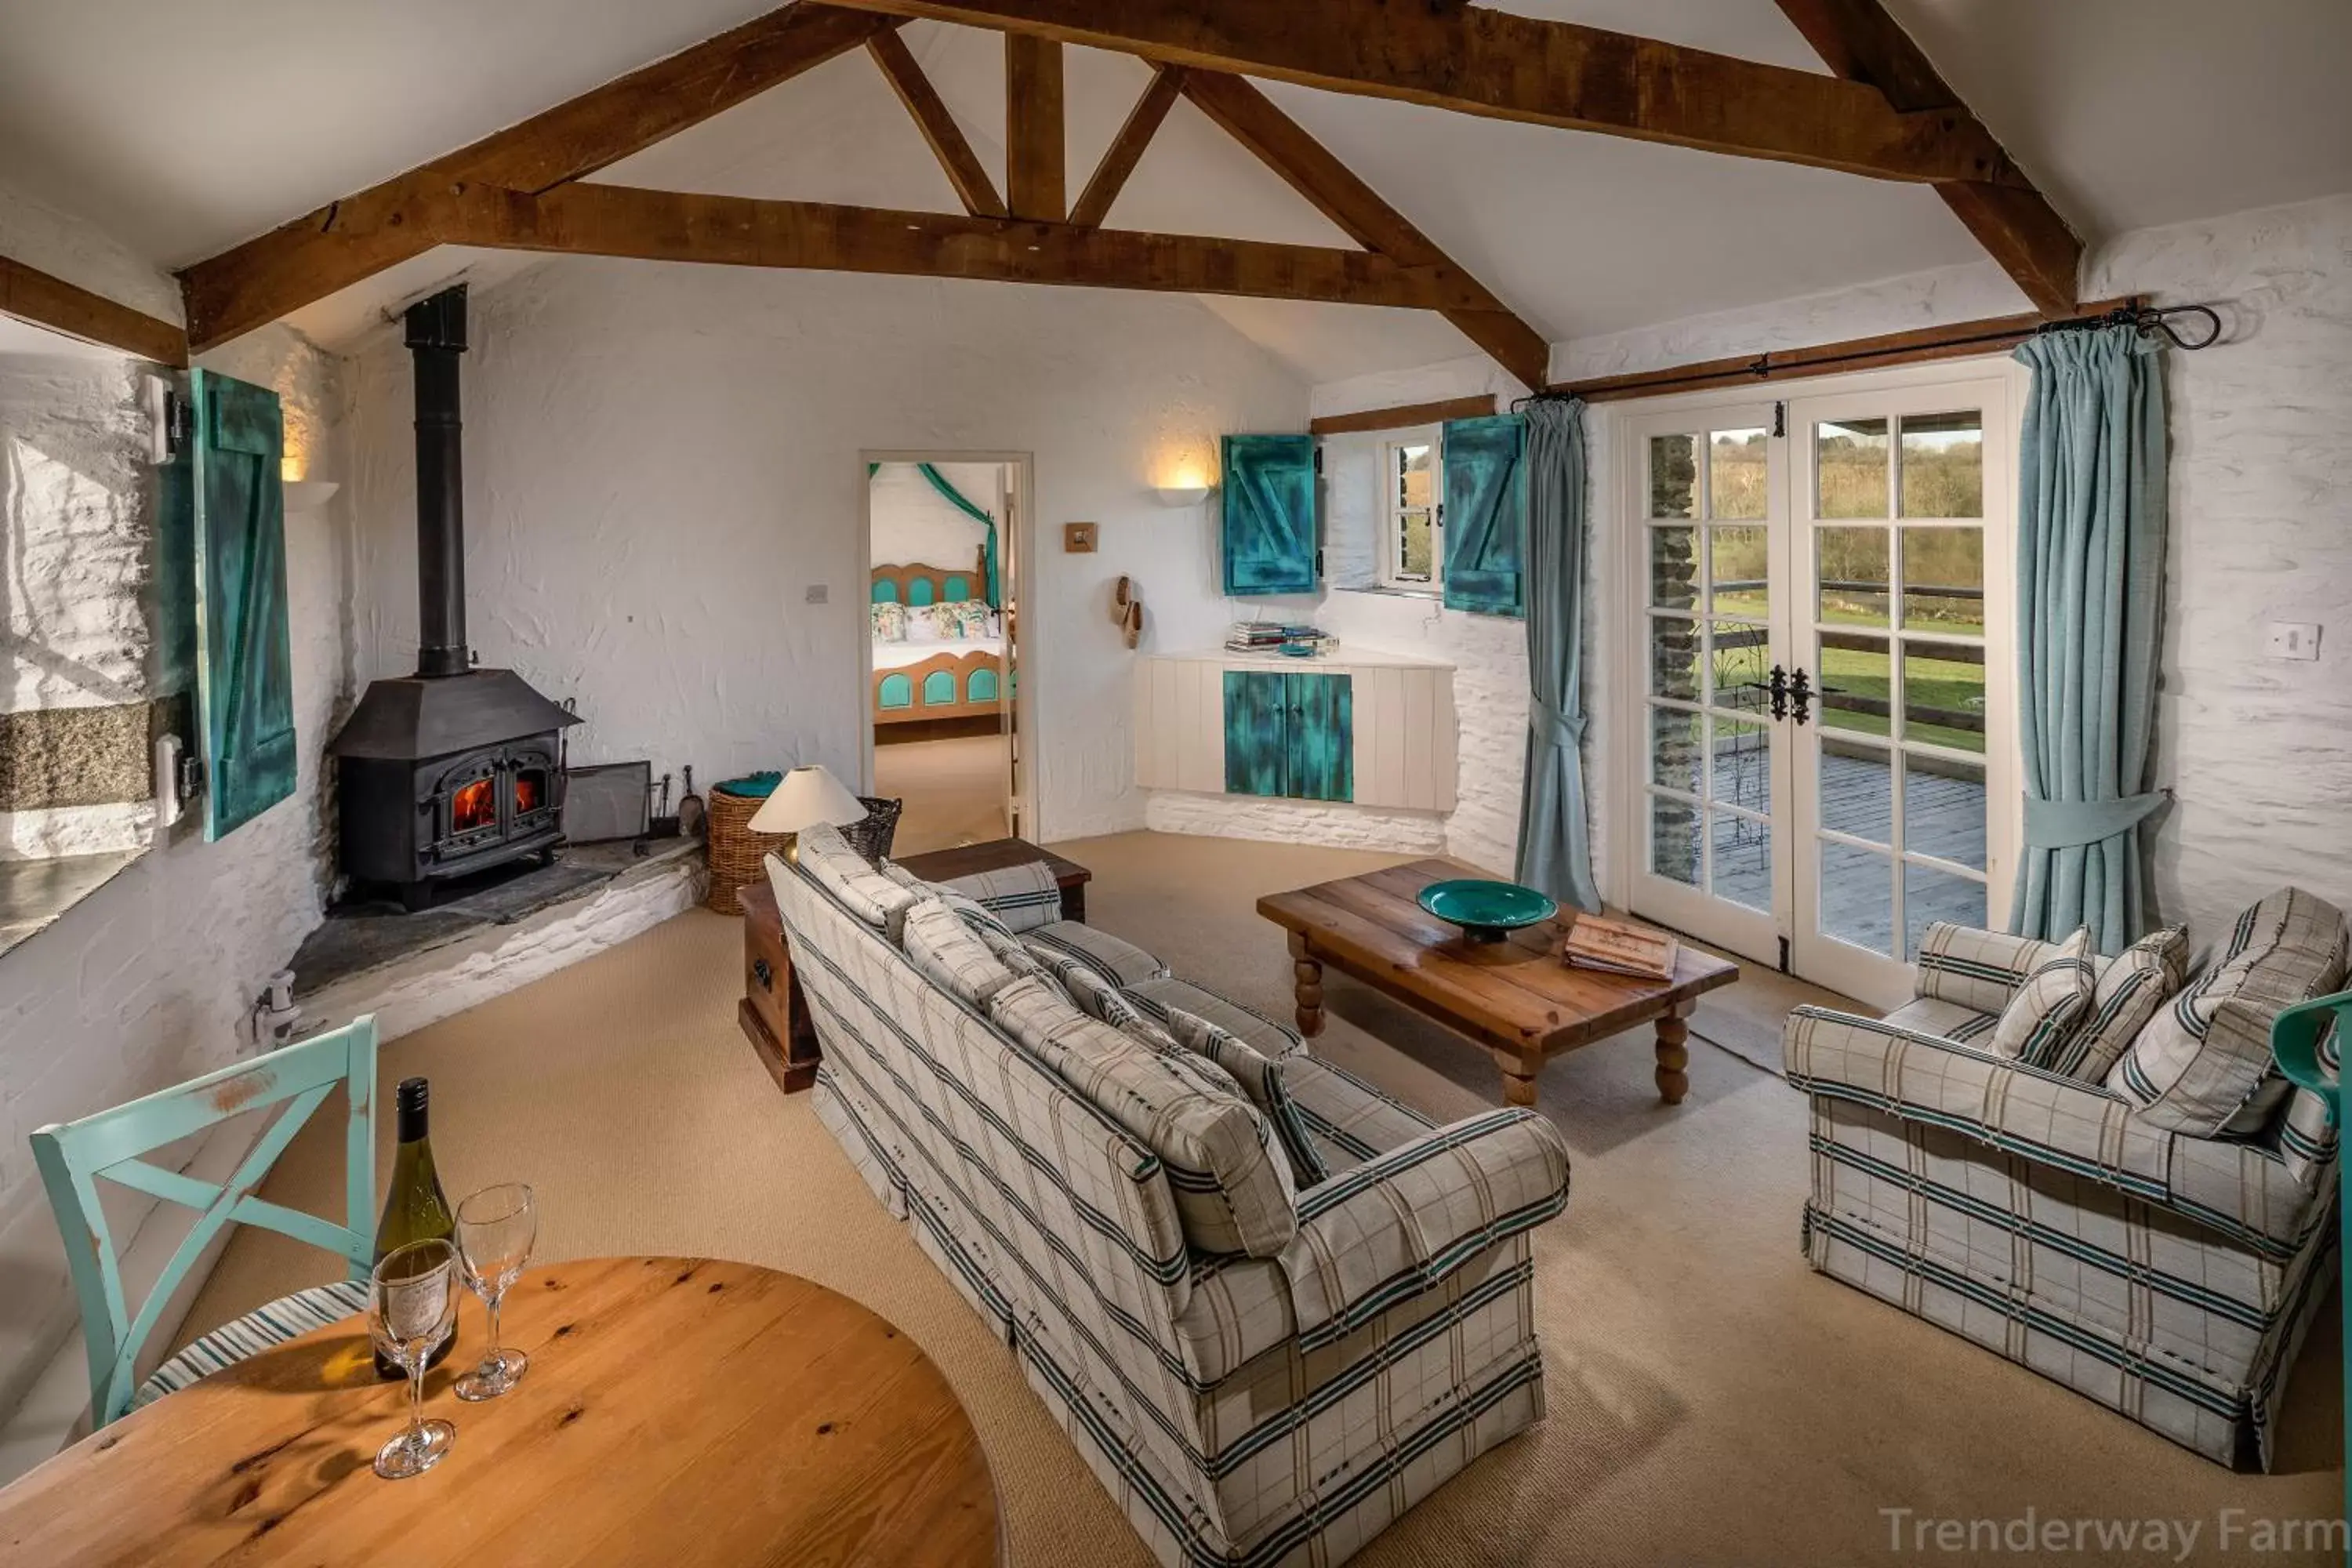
1485, 911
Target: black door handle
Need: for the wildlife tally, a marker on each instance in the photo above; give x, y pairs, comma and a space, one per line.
1779, 690
1800, 692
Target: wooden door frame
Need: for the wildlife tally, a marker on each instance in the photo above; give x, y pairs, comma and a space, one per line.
1620, 566
1015, 550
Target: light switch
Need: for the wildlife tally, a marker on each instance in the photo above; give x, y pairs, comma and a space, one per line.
1077, 538
2292, 639
818, 594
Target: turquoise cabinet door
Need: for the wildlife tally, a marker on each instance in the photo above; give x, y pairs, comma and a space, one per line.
245, 663
1321, 754
1255, 705
1269, 514
1485, 514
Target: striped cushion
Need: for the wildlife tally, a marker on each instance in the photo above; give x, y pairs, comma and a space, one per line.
2131, 990
1261, 1079
1123, 961
2203, 1064
263, 1328
1979, 970
1023, 897
950, 955
1008, 948
2045, 1009
842, 872
1264, 1036
1233, 1192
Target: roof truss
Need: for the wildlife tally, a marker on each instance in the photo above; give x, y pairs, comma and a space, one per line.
1885, 113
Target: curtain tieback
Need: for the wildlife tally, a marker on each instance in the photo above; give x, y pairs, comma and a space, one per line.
2064, 824
1554, 728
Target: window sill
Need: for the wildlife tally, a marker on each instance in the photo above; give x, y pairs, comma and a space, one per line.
1382, 590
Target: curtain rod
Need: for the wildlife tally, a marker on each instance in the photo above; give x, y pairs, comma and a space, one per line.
1958, 340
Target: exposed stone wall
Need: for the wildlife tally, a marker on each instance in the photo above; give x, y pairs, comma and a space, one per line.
75, 506
149, 981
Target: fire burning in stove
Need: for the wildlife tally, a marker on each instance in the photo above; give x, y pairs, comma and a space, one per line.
474, 805
526, 793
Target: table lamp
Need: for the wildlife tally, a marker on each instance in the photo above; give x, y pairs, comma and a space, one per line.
801, 799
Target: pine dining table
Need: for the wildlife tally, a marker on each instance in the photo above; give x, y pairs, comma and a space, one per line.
680, 1412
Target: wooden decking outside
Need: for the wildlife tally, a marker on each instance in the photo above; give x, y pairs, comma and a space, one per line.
1943, 817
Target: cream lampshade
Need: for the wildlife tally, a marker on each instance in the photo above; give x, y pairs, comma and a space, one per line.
801, 799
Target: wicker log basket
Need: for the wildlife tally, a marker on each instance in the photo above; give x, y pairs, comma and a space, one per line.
736, 851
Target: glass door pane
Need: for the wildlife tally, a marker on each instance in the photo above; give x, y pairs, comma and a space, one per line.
1705, 571
1893, 635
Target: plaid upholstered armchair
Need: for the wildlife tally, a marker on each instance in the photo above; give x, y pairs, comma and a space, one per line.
2153, 1228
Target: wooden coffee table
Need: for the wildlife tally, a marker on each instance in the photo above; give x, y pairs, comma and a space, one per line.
1515, 997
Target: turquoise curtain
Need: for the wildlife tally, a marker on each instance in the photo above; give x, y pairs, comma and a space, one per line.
1555, 847
994, 589
2090, 599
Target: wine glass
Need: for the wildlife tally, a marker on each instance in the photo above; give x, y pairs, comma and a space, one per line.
496, 1227
411, 1307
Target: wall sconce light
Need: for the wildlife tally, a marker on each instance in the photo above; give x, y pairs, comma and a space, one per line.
305, 496
1180, 494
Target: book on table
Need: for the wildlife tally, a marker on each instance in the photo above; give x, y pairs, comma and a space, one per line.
1620, 947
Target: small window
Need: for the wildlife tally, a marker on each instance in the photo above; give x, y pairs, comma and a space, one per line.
1412, 554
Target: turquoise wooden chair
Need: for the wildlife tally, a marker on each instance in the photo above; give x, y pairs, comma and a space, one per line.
2307, 1043
72, 1157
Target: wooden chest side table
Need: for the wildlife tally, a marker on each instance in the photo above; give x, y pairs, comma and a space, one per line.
773, 1013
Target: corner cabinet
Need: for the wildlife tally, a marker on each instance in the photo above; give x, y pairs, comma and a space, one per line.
1362, 728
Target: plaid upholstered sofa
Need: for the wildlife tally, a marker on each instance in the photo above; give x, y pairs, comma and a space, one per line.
1261, 1368
2158, 1239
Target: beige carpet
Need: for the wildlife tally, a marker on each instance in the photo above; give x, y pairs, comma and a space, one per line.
1712, 1401
955, 790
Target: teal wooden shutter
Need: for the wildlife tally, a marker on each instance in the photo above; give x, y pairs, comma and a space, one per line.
1269, 506
1255, 728
1321, 754
245, 663
1485, 514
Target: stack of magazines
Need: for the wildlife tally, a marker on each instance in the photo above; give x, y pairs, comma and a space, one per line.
1272, 637
1620, 947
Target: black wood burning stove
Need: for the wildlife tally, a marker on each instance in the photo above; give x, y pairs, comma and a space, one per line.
452, 770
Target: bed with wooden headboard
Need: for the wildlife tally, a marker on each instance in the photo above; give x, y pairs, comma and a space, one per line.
935, 677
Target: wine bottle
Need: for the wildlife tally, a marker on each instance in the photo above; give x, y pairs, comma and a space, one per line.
414, 1208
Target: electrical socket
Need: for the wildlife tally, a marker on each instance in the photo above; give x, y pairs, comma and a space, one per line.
2292, 639
817, 594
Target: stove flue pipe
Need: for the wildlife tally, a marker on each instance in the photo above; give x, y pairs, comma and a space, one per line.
437, 336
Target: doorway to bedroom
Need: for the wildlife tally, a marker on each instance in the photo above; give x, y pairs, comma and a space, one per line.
942, 688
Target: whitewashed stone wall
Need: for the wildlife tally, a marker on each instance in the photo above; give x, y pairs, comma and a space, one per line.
150, 980
75, 503
660, 462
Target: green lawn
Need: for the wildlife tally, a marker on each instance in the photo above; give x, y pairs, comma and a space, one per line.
1951, 684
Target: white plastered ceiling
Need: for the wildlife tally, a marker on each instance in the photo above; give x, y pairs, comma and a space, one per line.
183, 130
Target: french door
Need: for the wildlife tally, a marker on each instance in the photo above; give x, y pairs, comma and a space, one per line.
1821, 671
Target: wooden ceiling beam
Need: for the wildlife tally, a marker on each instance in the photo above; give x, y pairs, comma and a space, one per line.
360, 236
2014, 223
591, 220
931, 116
1310, 169
32, 295
1126, 149
1035, 146
1489, 62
